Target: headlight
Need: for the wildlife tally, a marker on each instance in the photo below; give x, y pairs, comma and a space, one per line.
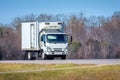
49, 49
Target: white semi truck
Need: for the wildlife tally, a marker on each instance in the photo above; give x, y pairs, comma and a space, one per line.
44, 39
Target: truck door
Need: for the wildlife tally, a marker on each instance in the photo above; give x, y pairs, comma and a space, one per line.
43, 41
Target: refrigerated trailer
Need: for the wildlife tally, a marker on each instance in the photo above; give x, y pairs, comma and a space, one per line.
44, 39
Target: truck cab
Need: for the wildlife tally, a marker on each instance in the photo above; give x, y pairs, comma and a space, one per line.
53, 41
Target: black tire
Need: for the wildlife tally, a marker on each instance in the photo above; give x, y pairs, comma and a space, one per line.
44, 56
28, 56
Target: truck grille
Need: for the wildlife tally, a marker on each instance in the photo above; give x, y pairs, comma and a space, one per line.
57, 49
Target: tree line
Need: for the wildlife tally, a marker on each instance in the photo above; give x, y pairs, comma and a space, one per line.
93, 37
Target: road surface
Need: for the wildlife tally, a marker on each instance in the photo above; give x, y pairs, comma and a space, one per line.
77, 61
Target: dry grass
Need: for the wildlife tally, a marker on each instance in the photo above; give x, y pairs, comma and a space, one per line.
110, 72
22, 67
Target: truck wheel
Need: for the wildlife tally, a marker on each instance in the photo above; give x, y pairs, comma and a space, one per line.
44, 56
28, 56
63, 57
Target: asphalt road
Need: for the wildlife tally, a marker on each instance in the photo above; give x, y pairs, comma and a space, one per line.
77, 61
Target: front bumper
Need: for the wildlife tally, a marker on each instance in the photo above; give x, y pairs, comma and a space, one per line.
56, 53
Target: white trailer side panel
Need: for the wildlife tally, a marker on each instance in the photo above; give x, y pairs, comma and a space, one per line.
29, 36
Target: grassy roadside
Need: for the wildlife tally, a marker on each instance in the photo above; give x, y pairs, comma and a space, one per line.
27, 67
82, 72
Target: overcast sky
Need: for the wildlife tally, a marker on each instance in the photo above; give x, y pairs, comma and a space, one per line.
9, 9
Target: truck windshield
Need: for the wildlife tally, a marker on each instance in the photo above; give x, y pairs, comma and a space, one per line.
57, 38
